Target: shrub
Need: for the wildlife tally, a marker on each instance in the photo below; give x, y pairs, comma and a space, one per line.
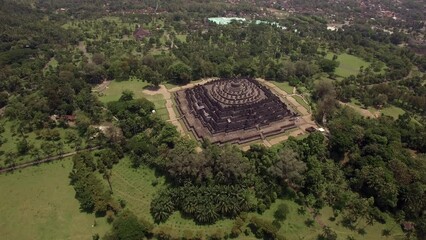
281, 212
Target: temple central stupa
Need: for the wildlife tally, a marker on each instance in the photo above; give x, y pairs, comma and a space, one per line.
233, 110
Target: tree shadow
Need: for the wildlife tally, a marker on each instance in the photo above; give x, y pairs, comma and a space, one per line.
151, 88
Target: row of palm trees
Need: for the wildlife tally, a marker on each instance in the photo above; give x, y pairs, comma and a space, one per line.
205, 204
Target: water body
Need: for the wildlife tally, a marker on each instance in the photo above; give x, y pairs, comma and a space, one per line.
228, 20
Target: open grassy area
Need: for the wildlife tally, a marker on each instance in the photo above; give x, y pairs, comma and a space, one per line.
371, 231
135, 186
160, 105
301, 102
294, 226
170, 85
392, 111
349, 64
39, 203
115, 88
285, 86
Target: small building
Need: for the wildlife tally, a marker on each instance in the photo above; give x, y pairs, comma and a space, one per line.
68, 118
311, 129
141, 33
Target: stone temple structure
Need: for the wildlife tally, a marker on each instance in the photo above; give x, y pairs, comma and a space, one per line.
233, 110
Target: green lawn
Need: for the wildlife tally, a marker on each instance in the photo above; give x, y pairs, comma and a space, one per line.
285, 86
392, 111
301, 102
349, 64
373, 232
160, 105
170, 85
294, 226
115, 89
39, 203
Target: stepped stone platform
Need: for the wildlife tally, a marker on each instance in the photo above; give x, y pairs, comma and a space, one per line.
233, 110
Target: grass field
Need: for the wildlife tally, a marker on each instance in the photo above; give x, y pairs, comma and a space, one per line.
349, 64
115, 89
39, 203
301, 102
285, 86
160, 105
373, 232
392, 111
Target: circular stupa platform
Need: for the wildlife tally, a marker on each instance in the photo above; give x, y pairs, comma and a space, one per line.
233, 110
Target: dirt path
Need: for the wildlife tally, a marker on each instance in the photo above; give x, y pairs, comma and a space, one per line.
46, 160
193, 84
102, 87
283, 138
169, 105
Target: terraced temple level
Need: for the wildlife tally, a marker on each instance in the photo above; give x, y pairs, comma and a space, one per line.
233, 110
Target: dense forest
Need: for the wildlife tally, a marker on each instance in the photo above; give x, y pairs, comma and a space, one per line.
54, 54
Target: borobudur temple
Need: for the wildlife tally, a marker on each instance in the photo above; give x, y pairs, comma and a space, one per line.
233, 110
